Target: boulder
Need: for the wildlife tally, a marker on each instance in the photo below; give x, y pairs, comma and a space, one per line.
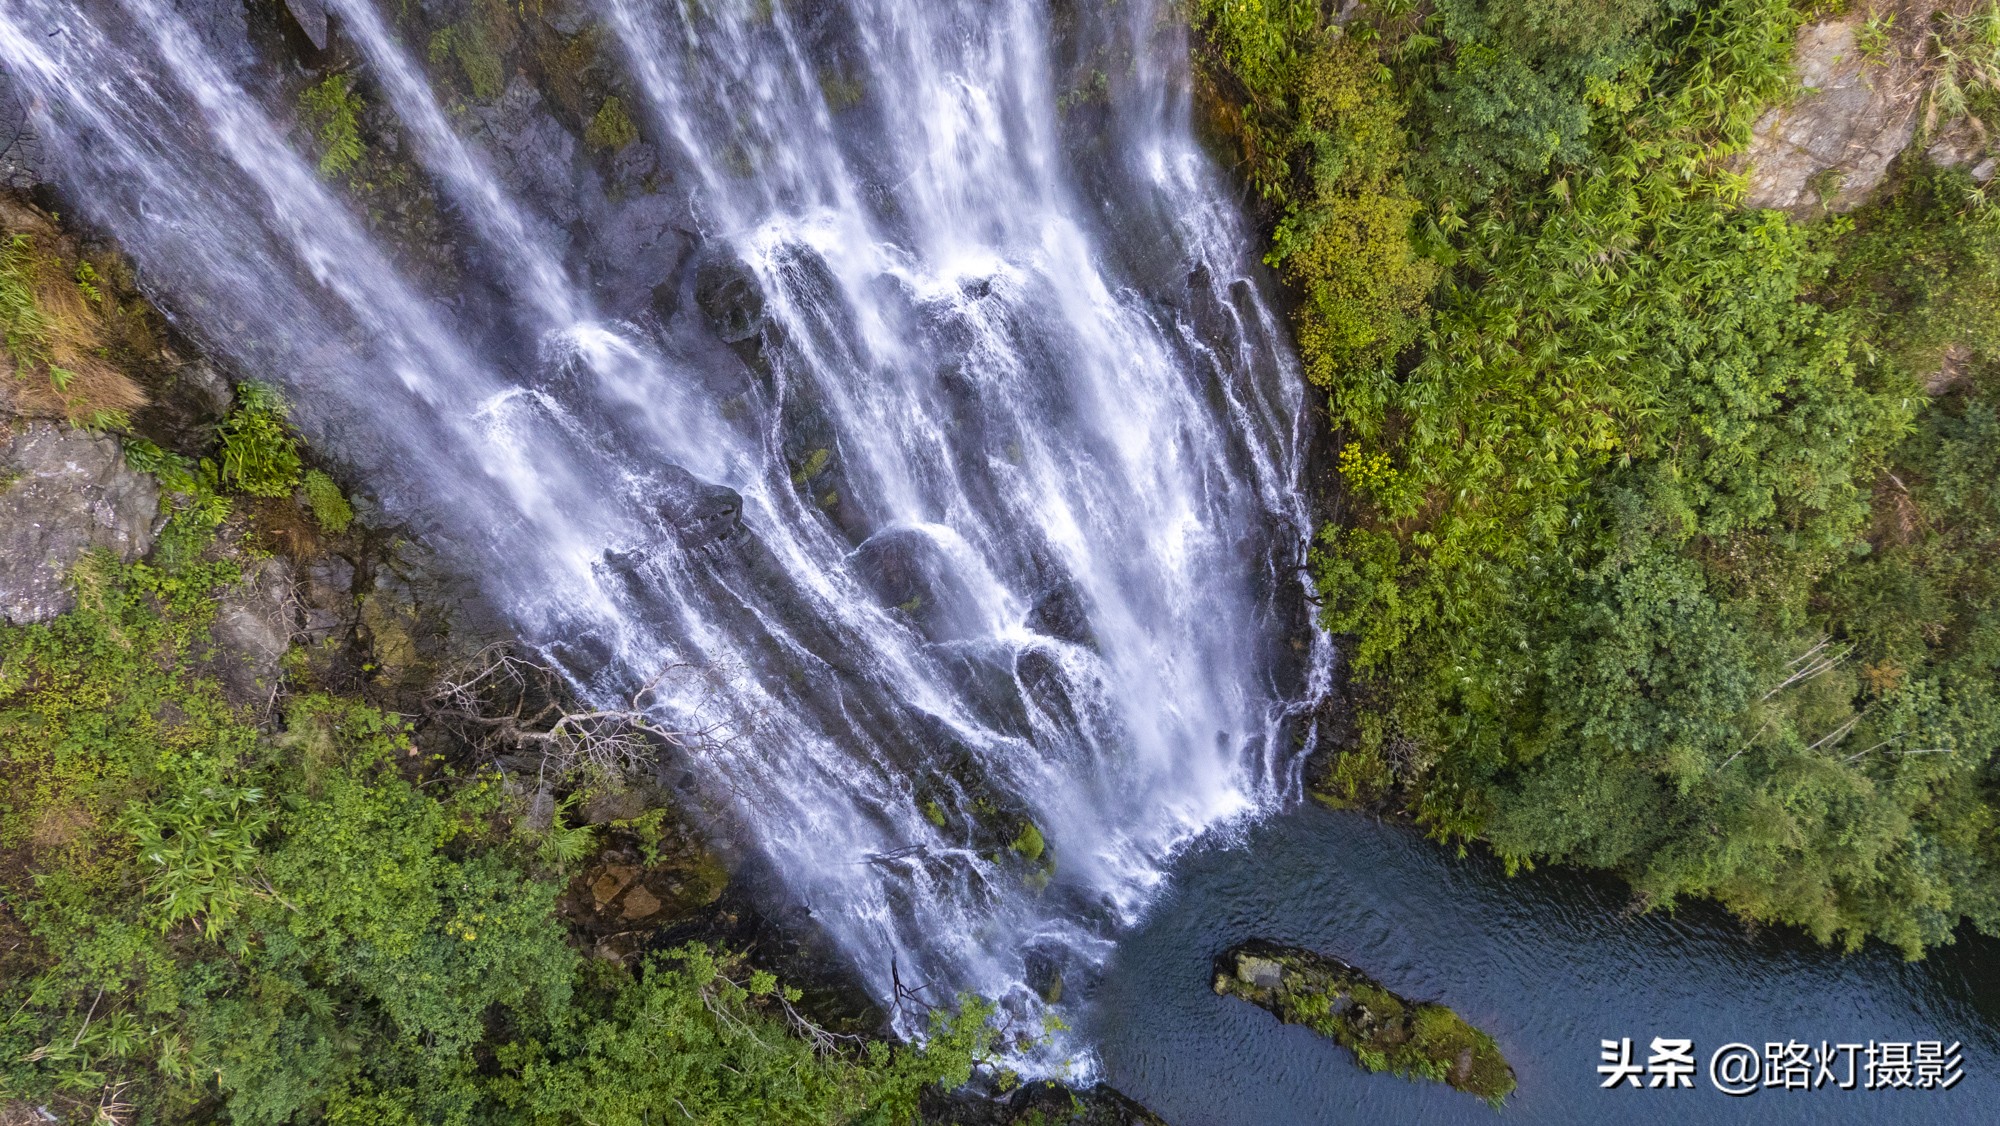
254, 623
64, 492
909, 571
701, 512
1830, 146
731, 299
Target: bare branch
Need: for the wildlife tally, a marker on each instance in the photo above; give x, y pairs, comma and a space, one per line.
504, 701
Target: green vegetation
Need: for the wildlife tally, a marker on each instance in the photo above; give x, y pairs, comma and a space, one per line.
331, 112
58, 329
259, 456
479, 44
323, 498
611, 129
205, 921
1028, 843
1670, 516
1384, 1031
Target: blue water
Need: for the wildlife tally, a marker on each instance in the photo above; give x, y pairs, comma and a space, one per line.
1550, 963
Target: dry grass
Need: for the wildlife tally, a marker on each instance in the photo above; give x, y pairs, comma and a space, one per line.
61, 320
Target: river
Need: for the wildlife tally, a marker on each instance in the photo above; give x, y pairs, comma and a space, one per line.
1550, 963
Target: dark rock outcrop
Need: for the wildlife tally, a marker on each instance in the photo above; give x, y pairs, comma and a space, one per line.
1037, 1104
311, 18
730, 297
701, 513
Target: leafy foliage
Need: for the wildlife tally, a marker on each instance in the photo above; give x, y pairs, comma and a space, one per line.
323, 926
329, 507
332, 112
259, 456
1660, 561
1321, 133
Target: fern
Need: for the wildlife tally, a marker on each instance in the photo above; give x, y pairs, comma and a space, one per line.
332, 112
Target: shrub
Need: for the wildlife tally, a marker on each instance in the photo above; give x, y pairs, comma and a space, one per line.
329, 508
259, 456
331, 113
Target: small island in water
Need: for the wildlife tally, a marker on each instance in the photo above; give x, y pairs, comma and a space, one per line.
1417, 1040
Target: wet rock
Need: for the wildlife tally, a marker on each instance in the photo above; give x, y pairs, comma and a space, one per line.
611, 883
1385, 1032
23, 159
1062, 613
567, 17
392, 627
1833, 144
639, 904
1042, 1103
633, 163
907, 571
205, 388
1045, 683
327, 599
644, 247
728, 295
254, 624
311, 18
530, 149
224, 27
613, 805
64, 492
702, 513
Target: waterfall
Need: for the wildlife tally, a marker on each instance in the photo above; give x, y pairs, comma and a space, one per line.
909, 378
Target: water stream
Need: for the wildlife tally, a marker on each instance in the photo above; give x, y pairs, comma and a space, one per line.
918, 394
1551, 963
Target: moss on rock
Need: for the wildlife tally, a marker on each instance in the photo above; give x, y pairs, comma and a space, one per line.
1417, 1040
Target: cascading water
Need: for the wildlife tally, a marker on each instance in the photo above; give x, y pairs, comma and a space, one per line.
943, 427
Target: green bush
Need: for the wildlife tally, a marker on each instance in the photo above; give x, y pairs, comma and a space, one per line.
322, 926
1658, 561
329, 508
331, 112
259, 456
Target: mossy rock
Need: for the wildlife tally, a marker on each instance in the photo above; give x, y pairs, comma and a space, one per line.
1417, 1040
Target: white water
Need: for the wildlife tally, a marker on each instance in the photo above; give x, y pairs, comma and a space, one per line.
1048, 404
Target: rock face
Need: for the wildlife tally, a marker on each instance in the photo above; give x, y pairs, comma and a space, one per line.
64, 492
1036, 1104
311, 17
22, 159
1384, 1031
255, 621
1833, 144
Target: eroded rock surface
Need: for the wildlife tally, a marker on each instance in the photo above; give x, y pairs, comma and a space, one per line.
1833, 143
64, 492
255, 621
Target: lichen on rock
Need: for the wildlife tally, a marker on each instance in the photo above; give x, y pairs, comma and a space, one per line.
1417, 1040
